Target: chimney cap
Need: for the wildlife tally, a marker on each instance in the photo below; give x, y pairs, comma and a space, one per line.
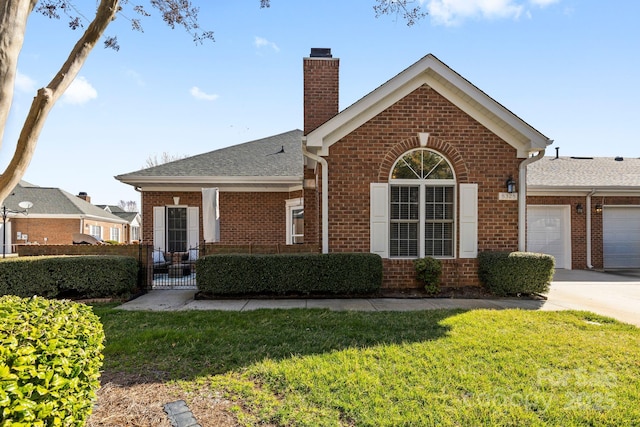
82, 193
320, 52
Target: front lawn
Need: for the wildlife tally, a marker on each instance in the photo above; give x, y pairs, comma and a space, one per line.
317, 367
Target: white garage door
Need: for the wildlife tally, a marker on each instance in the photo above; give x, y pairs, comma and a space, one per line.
621, 236
548, 232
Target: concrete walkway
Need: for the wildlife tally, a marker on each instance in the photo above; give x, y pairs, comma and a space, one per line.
615, 295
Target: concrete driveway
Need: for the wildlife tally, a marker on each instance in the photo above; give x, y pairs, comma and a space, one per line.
615, 293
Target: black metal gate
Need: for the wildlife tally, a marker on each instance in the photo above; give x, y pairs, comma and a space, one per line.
172, 270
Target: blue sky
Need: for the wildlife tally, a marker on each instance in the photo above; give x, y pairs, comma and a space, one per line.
569, 68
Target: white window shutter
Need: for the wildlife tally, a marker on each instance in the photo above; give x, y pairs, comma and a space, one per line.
193, 227
159, 228
210, 215
379, 219
468, 220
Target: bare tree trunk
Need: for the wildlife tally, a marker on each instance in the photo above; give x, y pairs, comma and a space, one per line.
46, 97
13, 23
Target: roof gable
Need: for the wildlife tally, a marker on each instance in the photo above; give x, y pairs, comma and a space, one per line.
452, 86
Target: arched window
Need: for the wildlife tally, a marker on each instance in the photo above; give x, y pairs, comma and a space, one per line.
422, 206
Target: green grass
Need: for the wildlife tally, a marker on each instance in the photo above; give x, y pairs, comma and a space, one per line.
316, 367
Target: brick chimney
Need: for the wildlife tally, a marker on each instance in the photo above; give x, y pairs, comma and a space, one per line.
320, 88
84, 196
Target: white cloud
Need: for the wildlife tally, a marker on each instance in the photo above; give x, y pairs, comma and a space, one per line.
454, 12
79, 92
197, 93
135, 76
24, 83
261, 42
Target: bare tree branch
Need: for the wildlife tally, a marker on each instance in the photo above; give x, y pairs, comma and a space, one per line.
410, 14
46, 97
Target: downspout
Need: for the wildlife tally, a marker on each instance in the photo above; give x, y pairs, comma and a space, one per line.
325, 195
588, 203
522, 199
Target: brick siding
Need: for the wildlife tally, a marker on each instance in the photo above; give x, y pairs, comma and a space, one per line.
245, 218
367, 155
57, 231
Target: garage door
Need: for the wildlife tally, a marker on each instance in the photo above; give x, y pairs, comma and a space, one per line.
621, 236
548, 232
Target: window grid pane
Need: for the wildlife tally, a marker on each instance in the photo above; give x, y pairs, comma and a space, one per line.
405, 206
177, 229
404, 239
438, 236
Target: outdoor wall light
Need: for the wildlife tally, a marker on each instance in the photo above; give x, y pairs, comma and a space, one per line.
579, 208
598, 208
511, 185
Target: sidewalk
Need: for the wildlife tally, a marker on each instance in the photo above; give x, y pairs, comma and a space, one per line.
178, 300
614, 294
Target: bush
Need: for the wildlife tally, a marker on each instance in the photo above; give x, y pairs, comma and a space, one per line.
512, 273
73, 276
50, 359
339, 273
428, 271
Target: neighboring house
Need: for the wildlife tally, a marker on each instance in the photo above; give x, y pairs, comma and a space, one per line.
132, 229
55, 216
585, 211
425, 165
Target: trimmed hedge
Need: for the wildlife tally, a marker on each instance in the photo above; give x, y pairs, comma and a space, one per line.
339, 273
512, 273
88, 276
50, 359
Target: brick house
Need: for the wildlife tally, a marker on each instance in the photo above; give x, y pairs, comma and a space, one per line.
585, 211
426, 164
55, 217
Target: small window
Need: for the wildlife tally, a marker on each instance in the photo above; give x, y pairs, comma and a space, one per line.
295, 221
115, 234
135, 233
95, 231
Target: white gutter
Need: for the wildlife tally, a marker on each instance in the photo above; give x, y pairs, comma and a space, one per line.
588, 203
522, 199
325, 195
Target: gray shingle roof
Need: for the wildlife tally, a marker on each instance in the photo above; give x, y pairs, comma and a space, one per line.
585, 172
54, 201
275, 156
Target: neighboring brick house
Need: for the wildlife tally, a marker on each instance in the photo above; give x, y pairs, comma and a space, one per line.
55, 216
133, 228
585, 211
426, 164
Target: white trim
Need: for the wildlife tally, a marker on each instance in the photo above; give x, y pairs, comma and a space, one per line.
256, 187
432, 72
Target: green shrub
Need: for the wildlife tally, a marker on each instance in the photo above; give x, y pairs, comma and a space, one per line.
91, 276
428, 271
50, 359
513, 273
339, 273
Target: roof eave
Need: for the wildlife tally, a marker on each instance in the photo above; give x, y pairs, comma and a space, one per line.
551, 190
208, 180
